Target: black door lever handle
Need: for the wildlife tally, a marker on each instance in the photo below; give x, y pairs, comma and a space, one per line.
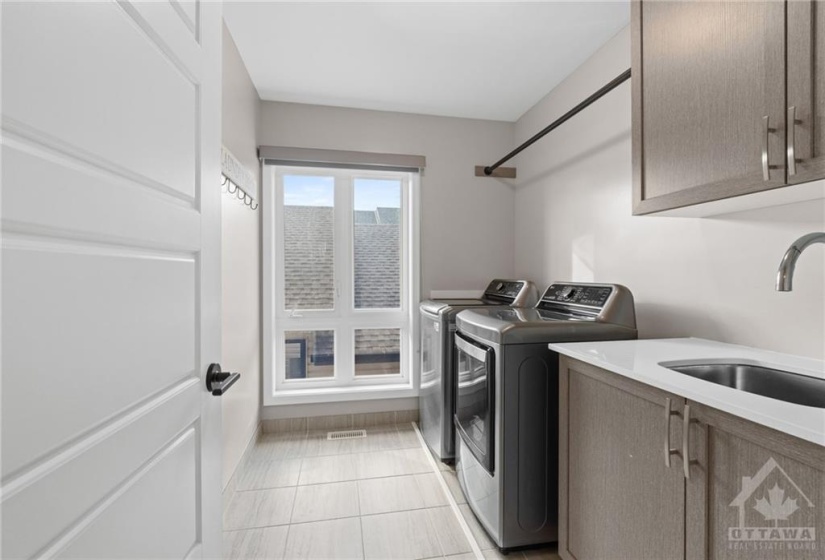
217, 381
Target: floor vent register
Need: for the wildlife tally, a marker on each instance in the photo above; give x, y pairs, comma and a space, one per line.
347, 434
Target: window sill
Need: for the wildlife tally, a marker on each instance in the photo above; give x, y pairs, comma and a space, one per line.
339, 394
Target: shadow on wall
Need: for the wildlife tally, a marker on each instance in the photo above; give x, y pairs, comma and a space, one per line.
657, 321
581, 155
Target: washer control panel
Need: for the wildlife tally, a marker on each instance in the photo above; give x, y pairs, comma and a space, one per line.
576, 294
509, 289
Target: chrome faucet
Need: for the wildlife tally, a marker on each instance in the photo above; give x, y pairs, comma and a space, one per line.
784, 276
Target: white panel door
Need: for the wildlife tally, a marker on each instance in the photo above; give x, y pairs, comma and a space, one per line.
110, 279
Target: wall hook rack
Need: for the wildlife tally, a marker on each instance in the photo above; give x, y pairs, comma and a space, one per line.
233, 189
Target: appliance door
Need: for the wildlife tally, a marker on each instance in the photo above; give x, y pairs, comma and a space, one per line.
475, 399
431, 401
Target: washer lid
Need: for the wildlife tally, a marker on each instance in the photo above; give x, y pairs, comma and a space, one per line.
463, 302
567, 312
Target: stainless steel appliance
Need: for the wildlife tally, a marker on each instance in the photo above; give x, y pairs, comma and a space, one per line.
507, 403
437, 394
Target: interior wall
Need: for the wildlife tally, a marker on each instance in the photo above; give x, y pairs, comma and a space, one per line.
467, 222
703, 277
241, 266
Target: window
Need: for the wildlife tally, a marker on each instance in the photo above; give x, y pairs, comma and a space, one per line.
338, 260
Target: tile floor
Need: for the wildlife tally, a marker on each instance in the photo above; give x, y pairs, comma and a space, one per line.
300, 495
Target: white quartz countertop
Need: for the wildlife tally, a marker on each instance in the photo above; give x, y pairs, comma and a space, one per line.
640, 359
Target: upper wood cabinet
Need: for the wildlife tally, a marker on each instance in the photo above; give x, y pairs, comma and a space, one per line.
709, 99
806, 90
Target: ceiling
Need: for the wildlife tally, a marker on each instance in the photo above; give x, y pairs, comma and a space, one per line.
485, 60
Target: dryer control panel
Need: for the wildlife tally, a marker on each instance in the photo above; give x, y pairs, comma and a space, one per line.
518, 293
576, 294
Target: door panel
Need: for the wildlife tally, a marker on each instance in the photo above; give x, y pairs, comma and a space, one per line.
96, 70
475, 400
806, 87
707, 73
110, 279
161, 500
735, 465
617, 497
48, 288
80, 483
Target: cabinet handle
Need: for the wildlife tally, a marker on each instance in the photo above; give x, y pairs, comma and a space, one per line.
686, 441
766, 166
669, 450
792, 122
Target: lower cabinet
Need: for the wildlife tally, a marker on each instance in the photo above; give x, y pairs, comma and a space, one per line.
627, 493
753, 493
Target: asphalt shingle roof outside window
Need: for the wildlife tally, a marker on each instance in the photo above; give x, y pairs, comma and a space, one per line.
309, 257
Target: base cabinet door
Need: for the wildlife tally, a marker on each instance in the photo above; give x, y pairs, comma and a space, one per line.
618, 497
752, 493
806, 91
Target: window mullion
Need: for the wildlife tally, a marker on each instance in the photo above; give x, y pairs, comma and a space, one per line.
345, 357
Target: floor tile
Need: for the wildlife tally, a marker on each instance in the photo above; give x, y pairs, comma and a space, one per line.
495, 554
336, 539
399, 493
373, 419
448, 531
383, 438
481, 536
407, 437
279, 446
253, 544
465, 556
394, 462
455, 487
317, 445
545, 553
259, 508
325, 501
385, 495
256, 475
336, 468
330, 489
430, 490
401, 535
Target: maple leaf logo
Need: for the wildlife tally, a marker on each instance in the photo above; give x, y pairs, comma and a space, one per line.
776, 508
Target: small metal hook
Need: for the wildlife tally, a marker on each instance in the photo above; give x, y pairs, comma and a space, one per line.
254, 205
224, 180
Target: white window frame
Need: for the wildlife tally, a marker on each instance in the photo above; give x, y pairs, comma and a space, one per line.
344, 319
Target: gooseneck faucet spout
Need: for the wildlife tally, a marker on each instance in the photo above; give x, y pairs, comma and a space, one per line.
784, 276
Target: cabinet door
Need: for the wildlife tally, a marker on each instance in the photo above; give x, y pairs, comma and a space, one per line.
617, 497
708, 101
753, 493
806, 90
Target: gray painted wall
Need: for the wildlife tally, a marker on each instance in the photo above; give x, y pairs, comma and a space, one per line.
240, 251
703, 277
467, 223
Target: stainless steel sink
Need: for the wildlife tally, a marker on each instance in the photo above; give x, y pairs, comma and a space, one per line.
768, 382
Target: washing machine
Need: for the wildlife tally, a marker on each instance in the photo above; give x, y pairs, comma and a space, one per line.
437, 387
507, 403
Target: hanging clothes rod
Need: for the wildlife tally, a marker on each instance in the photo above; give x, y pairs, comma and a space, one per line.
621, 78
